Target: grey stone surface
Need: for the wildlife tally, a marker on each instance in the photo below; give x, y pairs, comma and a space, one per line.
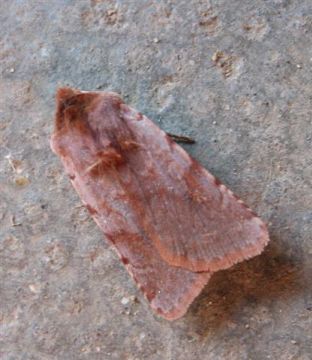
236, 76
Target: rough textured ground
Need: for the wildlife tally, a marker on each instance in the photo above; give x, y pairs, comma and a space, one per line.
236, 76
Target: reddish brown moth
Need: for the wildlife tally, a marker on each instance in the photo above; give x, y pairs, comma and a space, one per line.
171, 222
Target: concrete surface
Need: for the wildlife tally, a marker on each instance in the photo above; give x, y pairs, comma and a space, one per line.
236, 76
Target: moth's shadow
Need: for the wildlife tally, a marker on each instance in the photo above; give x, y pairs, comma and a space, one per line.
248, 285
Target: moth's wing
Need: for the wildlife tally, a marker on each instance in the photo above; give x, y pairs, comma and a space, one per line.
169, 289
194, 220
92, 141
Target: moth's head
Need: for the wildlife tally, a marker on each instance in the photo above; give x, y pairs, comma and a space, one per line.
78, 114
73, 106
90, 127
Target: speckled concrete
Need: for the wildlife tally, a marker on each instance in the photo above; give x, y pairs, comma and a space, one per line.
236, 76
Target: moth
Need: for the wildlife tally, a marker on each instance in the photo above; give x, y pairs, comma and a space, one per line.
171, 222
